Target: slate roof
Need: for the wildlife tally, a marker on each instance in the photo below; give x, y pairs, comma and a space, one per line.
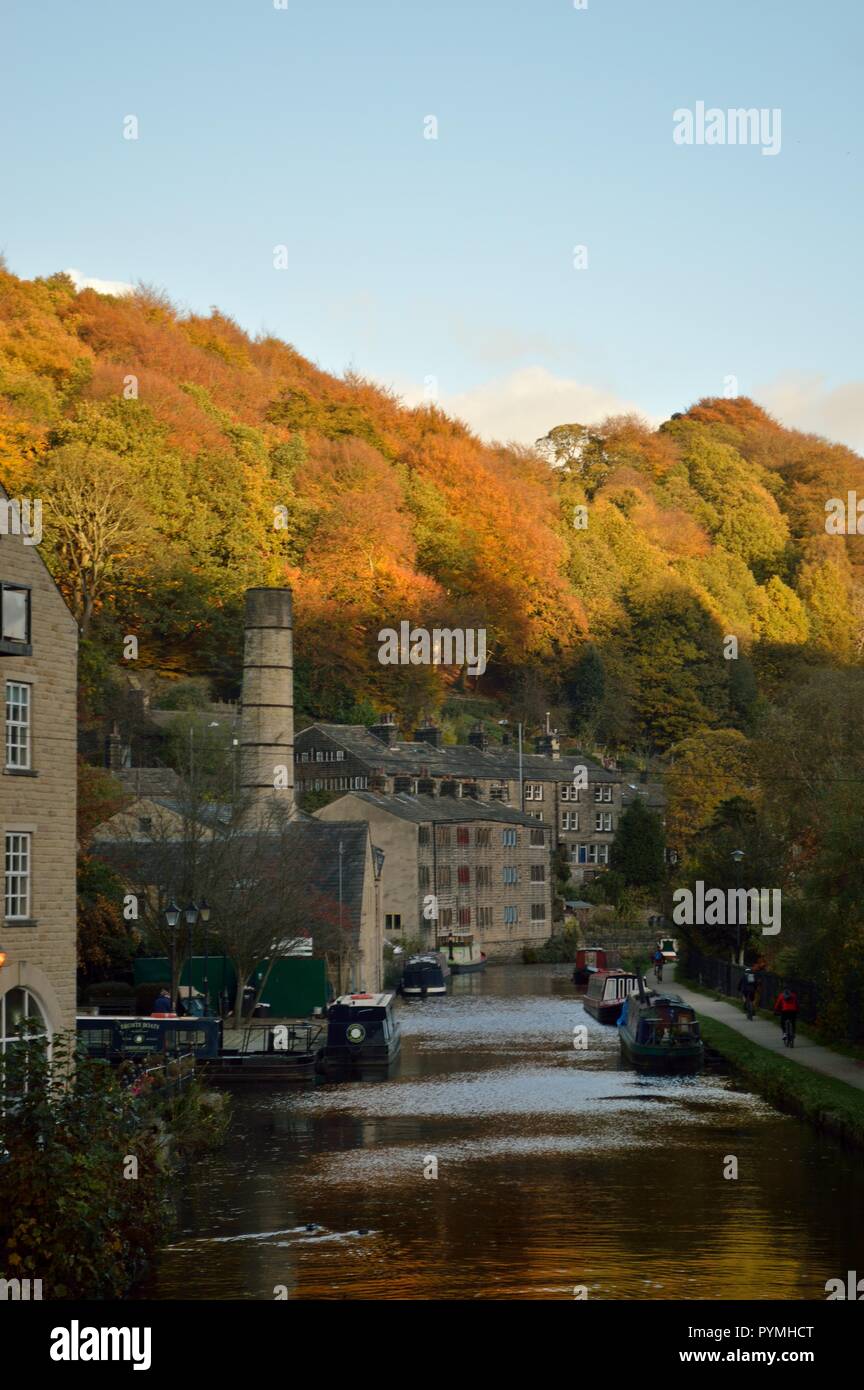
456, 760
150, 782
442, 809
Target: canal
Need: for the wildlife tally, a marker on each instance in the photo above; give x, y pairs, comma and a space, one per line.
556, 1170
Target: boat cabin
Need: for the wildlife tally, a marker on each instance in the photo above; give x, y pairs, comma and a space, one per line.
120, 1036
590, 959
665, 1019
612, 985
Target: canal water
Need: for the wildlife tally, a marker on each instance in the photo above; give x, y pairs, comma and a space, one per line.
557, 1169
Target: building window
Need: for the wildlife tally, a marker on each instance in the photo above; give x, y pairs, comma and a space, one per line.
423, 876
17, 895
17, 725
446, 917
423, 835
442, 835
484, 916
508, 837
463, 835
444, 878
538, 873
304, 757
16, 1006
538, 912
393, 921
340, 755
538, 838
499, 791
483, 837
533, 791
603, 820
484, 876
14, 618
569, 820
602, 854
464, 873
510, 873
464, 916
603, 792
511, 916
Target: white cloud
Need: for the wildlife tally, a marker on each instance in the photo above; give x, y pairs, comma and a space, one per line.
526, 404
84, 282
803, 401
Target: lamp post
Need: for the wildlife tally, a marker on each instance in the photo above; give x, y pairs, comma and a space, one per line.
204, 913
191, 915
738, 855
172, 917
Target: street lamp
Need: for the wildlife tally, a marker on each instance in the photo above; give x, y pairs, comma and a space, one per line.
172, 917
738, 855
191, 915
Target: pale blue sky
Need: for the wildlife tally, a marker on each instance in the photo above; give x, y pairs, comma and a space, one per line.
410, 258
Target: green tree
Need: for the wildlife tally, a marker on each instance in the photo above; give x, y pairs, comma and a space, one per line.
639, 845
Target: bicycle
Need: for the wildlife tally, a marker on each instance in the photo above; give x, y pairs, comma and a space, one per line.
788, 1025
658, 972
749, 1007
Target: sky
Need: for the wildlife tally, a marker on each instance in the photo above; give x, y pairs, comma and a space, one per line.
447, 267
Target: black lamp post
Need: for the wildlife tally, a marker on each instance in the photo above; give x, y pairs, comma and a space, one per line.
204, 913
738, 855
172, 917
191, 915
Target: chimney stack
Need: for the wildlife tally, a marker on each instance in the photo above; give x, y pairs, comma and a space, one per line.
428, 733
477, 737
385, 729
548, 744
267, 710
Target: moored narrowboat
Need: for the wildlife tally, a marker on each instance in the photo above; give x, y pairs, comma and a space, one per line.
659, 1033
363, 1037
590, 959
424, 975
462, 953
607, 990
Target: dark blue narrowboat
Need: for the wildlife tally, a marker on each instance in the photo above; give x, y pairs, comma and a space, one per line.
424, 975
363, 1037
118, 1037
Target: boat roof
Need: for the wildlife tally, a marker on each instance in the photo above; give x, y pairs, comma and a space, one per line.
364, 1001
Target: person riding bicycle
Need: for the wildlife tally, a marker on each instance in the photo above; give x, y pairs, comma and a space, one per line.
786, 1005
659, 960
748, 985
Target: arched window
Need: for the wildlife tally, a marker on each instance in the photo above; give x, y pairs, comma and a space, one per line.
16, 1006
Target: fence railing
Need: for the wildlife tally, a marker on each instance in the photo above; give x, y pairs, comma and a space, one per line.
724, 976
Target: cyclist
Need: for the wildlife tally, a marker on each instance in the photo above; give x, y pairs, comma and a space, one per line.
786, 1005
658, 964
748, 985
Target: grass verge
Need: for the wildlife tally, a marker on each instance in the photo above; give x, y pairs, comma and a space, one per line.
830, 1105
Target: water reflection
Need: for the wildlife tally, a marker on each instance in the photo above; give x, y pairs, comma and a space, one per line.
556, 1168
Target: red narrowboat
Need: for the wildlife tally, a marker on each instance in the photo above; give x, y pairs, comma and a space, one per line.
590, 959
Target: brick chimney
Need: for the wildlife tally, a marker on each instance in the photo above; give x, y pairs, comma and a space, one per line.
477, 737
549, 745
266, 738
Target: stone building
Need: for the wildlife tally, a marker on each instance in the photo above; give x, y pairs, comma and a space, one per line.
38, 661
578, 798
485, 866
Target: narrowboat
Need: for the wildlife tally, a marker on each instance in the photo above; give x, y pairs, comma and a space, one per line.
363, 1037
590, 959
669, 947
117, 1037
462, 953
424, 975
659, 1033
607, 990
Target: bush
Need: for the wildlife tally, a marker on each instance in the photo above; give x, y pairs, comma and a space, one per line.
71, 1213
559, 948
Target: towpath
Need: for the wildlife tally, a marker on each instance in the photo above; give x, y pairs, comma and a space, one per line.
767, 1034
